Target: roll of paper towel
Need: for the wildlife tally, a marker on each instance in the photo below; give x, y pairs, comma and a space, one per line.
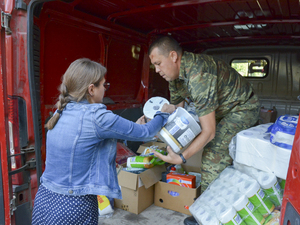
257, 197
199, 211
204, 215
153, 105
268, 181
228, 174
228, 215
216, 205
210, 219
219, 184
228, 193
253, 148
246, 209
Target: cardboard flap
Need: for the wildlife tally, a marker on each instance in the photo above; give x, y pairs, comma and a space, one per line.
189, 168
152, 176
128, 180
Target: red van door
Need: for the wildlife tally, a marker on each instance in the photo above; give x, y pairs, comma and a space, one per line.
18, 179
290, 210
5, 192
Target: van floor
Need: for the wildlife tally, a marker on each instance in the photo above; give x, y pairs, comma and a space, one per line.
153, 215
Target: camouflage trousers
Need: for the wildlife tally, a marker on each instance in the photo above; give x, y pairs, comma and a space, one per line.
215, 157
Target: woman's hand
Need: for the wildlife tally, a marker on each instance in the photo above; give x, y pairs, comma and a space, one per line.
168, 108
172, 157
141, 120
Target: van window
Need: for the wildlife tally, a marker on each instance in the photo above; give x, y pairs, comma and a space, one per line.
251, 67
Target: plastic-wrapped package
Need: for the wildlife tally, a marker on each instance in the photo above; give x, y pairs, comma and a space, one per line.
149, 151
239, 195
253, 147
143, 162
268, 181
283, 131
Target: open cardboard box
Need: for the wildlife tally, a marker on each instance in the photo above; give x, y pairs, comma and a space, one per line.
138, 189
175, 197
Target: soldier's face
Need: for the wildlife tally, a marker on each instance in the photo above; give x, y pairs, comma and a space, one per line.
165, 66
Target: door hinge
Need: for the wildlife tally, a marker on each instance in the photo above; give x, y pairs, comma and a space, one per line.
5, 22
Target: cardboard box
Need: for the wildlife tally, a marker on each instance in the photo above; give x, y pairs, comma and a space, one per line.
267, 115
160, 145
175, 197
195, 160
138, 189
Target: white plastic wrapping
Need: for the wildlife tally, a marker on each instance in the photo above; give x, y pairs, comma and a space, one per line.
246, 203
252, 147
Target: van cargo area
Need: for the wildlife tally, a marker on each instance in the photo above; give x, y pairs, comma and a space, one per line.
40, 38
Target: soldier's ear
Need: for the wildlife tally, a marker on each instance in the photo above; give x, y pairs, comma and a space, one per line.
174, 56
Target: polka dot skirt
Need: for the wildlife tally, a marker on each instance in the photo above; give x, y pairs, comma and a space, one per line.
52, 208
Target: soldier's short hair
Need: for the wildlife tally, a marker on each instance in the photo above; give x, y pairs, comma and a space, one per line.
165, 45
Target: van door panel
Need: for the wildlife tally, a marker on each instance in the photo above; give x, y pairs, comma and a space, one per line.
5, 192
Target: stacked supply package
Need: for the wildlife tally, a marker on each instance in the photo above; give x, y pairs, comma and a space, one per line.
266, 147
253, 148
282, 137
235, 198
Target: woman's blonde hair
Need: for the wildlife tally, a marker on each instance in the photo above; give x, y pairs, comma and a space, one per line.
75, 82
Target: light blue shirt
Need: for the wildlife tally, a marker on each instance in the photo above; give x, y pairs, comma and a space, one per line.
81, 149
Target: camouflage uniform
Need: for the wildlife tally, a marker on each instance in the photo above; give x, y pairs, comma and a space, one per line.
215, 86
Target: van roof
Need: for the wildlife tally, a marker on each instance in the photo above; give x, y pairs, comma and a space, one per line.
205, 24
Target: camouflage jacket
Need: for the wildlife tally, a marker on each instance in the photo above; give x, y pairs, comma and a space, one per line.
211, 84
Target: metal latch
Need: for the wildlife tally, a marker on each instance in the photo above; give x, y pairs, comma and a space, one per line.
5, 22
31, 164
13, 205
20, 5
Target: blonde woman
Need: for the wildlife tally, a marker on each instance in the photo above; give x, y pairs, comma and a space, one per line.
81, 148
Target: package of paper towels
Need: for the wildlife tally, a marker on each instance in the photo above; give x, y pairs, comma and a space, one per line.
253, 148
282, 137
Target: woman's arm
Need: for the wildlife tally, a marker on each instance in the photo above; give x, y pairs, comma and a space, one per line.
110, 125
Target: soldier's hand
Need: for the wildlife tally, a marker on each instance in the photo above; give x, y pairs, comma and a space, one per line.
141, 120
172, 157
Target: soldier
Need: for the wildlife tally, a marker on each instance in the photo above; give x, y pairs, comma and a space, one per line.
224, 100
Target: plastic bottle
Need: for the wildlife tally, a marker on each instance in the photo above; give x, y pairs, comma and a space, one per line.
179, 169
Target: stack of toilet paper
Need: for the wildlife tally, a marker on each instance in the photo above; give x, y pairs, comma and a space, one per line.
266, 147
253, 148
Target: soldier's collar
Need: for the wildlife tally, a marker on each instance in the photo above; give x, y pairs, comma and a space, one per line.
182, 73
